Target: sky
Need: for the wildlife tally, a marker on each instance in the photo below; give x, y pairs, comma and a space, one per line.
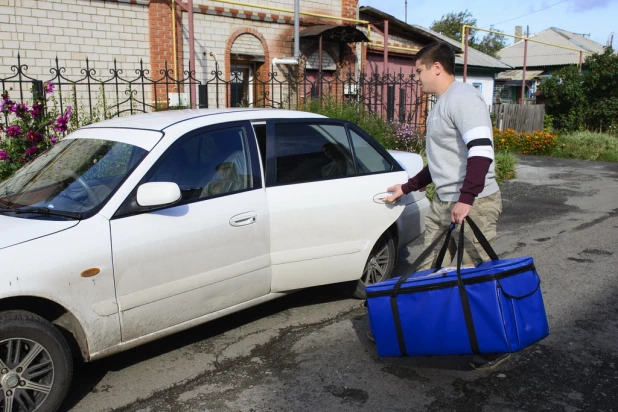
599, 18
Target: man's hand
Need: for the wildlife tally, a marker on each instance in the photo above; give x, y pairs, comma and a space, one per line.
459, 212
397, 193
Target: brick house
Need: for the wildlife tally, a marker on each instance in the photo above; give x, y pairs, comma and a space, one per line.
239, 41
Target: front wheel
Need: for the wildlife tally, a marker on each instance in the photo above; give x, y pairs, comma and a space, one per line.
36, 366
379, 266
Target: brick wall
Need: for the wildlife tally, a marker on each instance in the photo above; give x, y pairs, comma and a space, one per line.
247, 44
41, 30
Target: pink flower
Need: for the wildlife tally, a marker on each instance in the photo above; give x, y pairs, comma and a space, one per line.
62, 122
37, 109
31, 150
53, 139
49, 87
3, 155
6, 105
13, 131
34, 136
20, 110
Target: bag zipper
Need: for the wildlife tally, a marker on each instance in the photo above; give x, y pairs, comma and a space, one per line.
453, 283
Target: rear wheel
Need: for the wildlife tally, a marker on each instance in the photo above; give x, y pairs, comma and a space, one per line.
36, 366
379, 266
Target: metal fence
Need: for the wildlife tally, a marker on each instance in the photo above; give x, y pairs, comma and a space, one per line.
98, 95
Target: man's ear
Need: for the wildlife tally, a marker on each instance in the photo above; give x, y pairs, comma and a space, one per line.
437, 68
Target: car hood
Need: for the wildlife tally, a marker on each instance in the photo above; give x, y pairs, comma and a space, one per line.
14, 230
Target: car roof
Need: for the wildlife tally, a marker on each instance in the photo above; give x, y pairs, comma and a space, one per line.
160, 120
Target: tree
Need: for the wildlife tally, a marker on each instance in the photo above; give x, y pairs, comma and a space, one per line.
451, 24
588, 100
490, 44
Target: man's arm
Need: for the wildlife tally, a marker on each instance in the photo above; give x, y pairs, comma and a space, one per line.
422, 179
472, 120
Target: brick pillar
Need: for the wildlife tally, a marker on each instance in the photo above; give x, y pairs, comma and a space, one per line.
162, 49
349, 9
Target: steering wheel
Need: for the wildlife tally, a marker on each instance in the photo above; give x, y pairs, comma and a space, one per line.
92, 197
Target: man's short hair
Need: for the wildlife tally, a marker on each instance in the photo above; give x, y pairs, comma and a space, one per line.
439, 52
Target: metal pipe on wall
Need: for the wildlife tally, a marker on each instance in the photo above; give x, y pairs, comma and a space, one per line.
523, 75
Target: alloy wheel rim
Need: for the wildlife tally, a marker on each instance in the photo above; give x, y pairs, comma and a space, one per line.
375, 269
26, 375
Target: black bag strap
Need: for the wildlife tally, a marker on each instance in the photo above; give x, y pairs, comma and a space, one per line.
481, 238
463, 294
402, 279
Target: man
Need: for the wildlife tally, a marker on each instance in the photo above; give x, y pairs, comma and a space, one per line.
460, 159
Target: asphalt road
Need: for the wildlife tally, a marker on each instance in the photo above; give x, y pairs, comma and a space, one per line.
309, 351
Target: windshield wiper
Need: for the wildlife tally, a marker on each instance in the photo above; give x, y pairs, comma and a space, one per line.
43, 211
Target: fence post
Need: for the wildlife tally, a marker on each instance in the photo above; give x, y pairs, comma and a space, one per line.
203, 96
390, 102
402, 105
37, 90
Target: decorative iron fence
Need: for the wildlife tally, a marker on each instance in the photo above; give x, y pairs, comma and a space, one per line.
98, 95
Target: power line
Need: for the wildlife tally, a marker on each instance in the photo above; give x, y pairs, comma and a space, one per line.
545, 8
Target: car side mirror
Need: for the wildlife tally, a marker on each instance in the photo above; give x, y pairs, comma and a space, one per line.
158, 194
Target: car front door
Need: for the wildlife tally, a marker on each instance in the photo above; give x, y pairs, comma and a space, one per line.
205, 253
325, 203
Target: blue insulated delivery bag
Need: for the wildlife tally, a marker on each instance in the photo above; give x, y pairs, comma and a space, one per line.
495, 307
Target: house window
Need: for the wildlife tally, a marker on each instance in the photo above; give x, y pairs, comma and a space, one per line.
478, 86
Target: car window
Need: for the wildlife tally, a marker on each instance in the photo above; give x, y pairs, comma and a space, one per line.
307, 152
210, 164
368, 159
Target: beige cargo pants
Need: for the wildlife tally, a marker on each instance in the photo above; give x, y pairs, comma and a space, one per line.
485, 213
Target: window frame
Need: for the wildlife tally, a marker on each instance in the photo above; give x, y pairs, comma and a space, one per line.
271, 170
129, 206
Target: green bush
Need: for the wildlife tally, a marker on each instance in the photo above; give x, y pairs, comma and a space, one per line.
587, 100
378, 128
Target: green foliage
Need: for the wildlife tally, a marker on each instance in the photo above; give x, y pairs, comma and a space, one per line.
505, 166
381, 130
587, 146
451, 24
586, 101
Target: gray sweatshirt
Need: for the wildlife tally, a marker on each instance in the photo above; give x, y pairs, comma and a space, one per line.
458, 127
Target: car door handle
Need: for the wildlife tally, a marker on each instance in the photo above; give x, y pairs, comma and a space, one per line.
244, 219
381, 197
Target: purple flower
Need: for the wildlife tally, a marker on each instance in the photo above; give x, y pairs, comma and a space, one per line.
20, 110
31, 150
62, 122
34, 136
6, 105
4, 155
37, 109
49, 87
53, 139
13, 131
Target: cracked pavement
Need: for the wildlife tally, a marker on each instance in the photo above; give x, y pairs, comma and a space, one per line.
309, 351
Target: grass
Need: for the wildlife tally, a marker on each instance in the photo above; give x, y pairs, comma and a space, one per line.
587, 146
505, 166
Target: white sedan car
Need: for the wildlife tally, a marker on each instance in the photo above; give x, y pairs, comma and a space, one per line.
134, 228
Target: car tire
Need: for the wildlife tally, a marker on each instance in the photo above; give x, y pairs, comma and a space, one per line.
37, 366
379, 265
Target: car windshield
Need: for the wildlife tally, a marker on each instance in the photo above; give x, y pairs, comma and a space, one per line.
75, 176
